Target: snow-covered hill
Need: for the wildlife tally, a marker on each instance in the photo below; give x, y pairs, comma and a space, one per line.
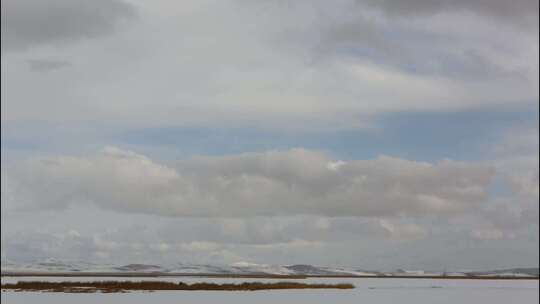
53, 265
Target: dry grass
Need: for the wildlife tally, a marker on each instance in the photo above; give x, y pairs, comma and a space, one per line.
125, 286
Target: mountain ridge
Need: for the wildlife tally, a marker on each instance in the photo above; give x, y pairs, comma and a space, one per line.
243, 268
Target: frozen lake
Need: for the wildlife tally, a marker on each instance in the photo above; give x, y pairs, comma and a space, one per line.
368, 290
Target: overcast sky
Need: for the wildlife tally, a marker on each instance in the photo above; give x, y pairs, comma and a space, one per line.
370, 134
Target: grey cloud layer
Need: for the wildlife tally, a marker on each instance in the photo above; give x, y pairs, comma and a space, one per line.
46, 65
311, 65
29, 23
522, 12
367, 243
273, 183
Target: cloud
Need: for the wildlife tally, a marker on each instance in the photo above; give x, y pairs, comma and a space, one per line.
515, 155
488, 234
199, 246
45, 65
523, 13
402, 231
310, 66
30, 23
272, 183
161, 247
25, 246
514, 210
290, 246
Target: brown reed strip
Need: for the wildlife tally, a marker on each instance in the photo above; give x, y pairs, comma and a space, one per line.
125, 286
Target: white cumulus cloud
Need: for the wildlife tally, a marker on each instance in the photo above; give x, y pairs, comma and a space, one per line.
272, 183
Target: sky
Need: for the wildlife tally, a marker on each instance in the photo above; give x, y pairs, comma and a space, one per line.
347, 133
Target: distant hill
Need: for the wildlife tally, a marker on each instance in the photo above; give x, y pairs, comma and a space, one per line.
241, 268
511, 271
311, 270
138, 267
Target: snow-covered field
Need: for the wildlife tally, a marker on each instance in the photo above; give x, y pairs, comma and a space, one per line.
368, 290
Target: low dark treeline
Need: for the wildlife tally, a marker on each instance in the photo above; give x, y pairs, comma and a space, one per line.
122, 286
